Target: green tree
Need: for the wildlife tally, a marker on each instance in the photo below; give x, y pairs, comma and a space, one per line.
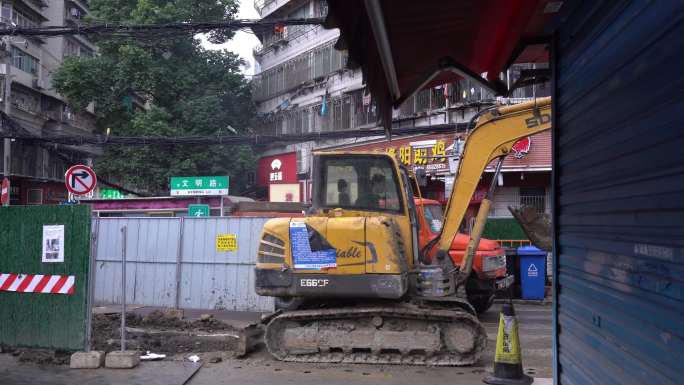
191, 91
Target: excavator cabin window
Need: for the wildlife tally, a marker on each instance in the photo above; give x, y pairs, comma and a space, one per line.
365, 183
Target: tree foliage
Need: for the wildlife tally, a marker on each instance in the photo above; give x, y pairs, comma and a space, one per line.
191, 91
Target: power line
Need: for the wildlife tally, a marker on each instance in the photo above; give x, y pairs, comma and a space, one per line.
135, 29
227, 140
17, 132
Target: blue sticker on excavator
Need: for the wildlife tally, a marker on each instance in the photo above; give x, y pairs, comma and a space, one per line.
302, 255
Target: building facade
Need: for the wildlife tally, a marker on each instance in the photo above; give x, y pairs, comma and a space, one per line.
37, 171
303, 85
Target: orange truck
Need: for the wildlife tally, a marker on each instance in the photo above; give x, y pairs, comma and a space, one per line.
489, 264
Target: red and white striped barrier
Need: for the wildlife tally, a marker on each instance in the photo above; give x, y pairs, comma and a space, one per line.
28, 283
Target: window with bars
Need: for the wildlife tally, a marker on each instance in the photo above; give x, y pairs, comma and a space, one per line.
348, 111
74, 48
310, 65
24, 61
20, 18
25, 100
533, 197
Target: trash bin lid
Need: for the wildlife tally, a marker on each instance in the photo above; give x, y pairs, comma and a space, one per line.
531, 250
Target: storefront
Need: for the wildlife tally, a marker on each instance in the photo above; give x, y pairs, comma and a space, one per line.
26, 191
278, 175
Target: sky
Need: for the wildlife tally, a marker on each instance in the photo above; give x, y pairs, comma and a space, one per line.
243, 42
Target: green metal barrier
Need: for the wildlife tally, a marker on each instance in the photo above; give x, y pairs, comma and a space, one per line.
43, 303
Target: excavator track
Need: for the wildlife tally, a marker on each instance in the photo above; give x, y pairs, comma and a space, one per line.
408, 335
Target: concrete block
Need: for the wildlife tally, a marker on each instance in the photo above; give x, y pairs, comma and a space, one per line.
87, 360
122, 360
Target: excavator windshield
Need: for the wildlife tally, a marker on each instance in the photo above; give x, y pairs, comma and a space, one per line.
357, 182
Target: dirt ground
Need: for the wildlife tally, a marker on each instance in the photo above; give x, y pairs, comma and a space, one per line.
163, 332
220, 366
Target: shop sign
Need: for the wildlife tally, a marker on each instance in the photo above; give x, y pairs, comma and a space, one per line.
276, 174
110, 193
277, 169
428, 155
199, 185
521, 147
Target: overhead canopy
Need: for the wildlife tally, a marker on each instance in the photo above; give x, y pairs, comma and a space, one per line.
405, 45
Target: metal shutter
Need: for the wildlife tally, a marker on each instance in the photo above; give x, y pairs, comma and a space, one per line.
619, 193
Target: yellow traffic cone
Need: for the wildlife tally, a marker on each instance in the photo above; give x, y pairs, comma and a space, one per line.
508, 368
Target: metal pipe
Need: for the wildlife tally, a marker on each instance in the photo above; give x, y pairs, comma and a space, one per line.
7, 107
179, 261
91, 283
123, 288
377, 23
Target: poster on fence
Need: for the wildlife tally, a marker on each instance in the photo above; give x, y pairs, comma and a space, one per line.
226, 242
53, 243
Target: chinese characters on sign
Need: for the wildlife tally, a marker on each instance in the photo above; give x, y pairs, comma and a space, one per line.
226, 242
276, 173
199, 185
430, 155
276, 176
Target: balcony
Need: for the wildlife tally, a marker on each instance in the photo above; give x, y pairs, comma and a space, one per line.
538, 202
275, 40
259, 5
36, 6
75, 11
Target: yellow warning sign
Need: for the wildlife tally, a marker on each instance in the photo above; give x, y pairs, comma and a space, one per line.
507, 342
226, 242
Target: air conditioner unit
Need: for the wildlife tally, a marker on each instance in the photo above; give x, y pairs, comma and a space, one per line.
38, 83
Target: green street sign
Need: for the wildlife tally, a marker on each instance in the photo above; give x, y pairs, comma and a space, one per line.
198, 210
199, 185
110, 193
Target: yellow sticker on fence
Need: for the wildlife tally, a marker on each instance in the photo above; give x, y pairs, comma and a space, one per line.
226, 242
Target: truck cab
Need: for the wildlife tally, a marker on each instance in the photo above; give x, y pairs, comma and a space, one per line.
489, 264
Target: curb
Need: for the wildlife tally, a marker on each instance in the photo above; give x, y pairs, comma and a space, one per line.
545, 302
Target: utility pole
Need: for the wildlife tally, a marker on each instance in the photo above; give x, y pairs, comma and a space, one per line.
7, 143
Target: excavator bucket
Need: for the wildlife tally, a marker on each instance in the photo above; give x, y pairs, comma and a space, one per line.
537, 226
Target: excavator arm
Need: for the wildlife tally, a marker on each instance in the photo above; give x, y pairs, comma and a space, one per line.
492, 138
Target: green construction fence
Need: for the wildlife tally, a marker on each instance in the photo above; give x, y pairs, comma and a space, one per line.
39, 307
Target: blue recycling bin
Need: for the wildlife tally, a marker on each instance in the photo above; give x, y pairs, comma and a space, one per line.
532, 271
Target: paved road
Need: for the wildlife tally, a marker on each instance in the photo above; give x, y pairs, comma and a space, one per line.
261, 369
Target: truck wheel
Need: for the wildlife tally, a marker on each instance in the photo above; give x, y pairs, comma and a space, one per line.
288, 303
481, 302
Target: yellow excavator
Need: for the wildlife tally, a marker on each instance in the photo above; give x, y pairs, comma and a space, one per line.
350, 274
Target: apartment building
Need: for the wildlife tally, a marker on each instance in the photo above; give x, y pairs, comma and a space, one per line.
37, 171
303, 85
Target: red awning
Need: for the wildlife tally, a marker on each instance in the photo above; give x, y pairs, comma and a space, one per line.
402, 44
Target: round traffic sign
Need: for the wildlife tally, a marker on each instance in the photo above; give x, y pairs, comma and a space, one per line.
5, 192
80, 179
